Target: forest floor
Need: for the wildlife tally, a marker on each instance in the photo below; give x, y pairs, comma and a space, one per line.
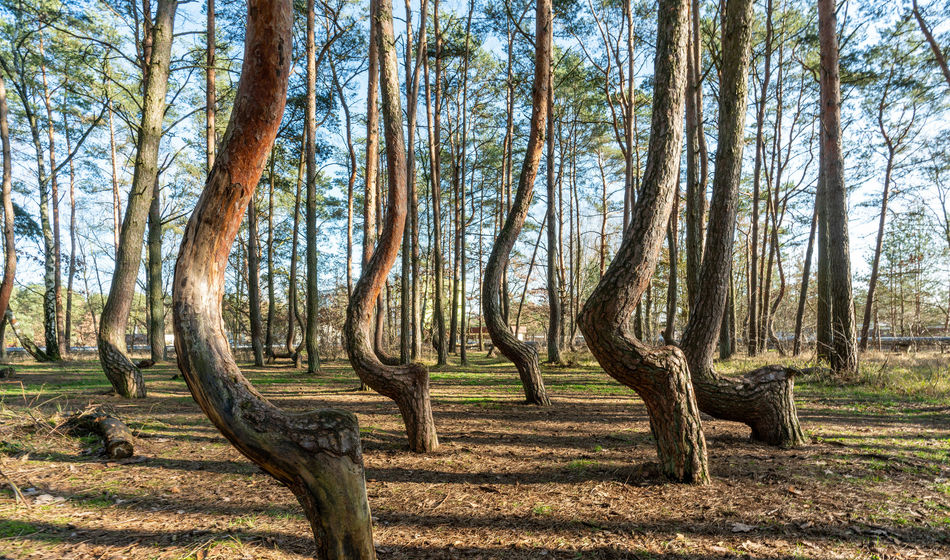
574, 480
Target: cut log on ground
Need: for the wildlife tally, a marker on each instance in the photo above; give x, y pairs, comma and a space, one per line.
116, 436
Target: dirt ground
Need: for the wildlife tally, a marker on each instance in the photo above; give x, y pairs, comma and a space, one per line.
574, 480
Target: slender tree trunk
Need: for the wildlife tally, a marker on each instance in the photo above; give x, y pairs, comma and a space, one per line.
806, 276
67, 337
210, 100
672, 243
763, 399
435, 159
156, 296
463, 186
57, 295
554, 291
126, 379
292, 273
9, 241
695, 159
938, 53
844, 355
317, 455
754, 308
875, 263
524, 357
313, 287
271, 296
116, 200
254, 283
407, 385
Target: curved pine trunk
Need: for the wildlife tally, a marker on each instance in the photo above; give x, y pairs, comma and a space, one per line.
659, 375
317, 454
524, 357
764, 398
407, 385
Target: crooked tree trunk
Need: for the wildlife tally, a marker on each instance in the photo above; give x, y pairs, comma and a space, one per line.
126, 379
764, 398
435, 174
407, 385
524, 357
9, 241
659, 375
844, 352
317, 454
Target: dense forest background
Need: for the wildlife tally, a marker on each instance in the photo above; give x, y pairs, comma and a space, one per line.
74, 90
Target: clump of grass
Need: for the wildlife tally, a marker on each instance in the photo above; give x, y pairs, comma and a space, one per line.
542, 509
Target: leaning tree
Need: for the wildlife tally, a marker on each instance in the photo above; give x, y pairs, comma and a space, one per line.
525, 357
316, 454
659, 375
125, 377
407, 385
762, 399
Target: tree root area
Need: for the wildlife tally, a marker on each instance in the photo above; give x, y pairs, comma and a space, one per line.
574, 480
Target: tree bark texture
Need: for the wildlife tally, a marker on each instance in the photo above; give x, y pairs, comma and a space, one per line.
407, 385
311, 334
844, 353
525, 357
317, 454
659, 375
555, 314
126, 379
763, 399
156, 296
435, 176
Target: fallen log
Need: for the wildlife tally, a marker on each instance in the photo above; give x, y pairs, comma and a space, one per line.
116, 436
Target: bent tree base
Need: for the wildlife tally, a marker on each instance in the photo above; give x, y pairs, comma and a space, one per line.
126, 379
762, 399
317, 455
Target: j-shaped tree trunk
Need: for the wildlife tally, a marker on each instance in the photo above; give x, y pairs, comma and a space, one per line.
524, 357
317, 454
659, 375
763, 399
407, 385
126, 379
